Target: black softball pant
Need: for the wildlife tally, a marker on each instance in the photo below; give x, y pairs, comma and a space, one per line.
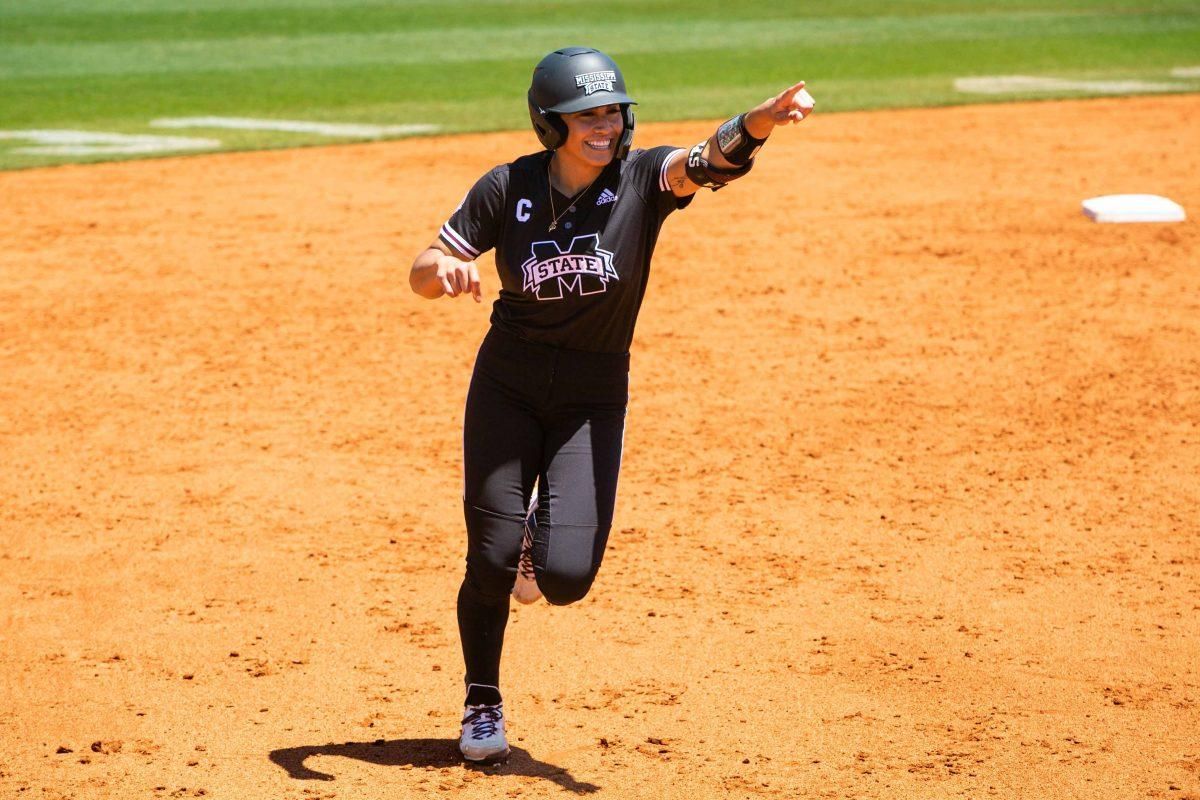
544, 413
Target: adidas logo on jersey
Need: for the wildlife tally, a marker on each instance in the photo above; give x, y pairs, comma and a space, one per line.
606, 196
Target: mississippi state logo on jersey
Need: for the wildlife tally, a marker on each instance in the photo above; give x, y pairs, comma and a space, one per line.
552, 273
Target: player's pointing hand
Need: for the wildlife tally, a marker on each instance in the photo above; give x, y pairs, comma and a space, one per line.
791, 105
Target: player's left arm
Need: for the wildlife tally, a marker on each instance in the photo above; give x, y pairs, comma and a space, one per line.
729, 153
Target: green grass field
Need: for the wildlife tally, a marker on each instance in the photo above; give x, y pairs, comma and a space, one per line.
114, 66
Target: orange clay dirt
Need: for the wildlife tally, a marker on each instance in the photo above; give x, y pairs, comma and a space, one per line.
908, 508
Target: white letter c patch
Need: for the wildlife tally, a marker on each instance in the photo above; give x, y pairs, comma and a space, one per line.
523, 207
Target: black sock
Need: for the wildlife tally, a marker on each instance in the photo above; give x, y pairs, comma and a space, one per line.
478, 694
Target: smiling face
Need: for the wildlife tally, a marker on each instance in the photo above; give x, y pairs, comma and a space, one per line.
592, 135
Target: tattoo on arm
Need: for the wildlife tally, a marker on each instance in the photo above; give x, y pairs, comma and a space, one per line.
679, 182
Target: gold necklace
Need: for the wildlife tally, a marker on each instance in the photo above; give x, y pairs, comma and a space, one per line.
571, 204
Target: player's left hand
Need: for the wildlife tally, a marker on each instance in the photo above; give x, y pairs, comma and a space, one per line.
790, 106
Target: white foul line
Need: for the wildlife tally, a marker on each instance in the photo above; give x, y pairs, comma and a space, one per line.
1003, 84
1186, 72
293, 126
85, 143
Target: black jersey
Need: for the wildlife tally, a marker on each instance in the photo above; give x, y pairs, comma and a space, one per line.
579, 286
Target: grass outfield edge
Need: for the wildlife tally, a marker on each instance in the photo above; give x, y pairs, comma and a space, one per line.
277, 147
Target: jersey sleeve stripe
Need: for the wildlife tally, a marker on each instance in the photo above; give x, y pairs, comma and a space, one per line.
456, 240
662, 173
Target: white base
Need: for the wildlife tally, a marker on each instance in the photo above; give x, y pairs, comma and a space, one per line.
1133, 208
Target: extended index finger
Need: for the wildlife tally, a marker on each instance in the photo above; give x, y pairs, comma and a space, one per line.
790, 93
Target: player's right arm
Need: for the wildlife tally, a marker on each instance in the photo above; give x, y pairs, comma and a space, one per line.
447, 267
440, 270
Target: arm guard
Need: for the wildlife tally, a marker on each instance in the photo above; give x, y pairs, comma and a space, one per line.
736, 143
702, 173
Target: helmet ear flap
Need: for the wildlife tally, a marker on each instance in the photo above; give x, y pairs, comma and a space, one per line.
626, 140
548, 125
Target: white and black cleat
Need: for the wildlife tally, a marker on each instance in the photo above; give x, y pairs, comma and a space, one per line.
526, 590
483, 738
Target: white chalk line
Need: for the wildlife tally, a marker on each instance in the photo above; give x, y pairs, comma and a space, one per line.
90, 143
354, 130
1004, 84
1185, 72
86, 143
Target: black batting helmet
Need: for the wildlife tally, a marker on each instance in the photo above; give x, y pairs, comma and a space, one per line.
574, 79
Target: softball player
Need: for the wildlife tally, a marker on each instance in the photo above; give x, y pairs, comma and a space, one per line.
574, 227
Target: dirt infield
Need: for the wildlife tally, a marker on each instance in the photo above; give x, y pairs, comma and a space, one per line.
908, 509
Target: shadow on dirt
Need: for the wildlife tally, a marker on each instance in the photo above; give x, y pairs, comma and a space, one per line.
422, 753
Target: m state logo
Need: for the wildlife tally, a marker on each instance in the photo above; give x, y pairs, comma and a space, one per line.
595, 81
552, 273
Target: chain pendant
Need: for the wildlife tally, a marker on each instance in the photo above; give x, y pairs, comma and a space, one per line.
553, 225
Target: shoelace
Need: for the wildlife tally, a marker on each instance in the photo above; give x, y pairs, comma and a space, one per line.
525, 565
484, 721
